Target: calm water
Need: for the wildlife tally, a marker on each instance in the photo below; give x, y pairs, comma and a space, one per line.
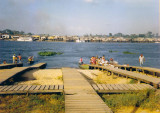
73, 52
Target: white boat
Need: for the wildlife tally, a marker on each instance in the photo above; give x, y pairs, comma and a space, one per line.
28, 39
80, 41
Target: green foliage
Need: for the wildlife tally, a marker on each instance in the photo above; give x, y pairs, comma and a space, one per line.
112, 51
33, 103
127, 52
49, 53
84, 66
144, 99
133, 81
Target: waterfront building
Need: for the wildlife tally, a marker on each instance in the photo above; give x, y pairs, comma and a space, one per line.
6, 36
25, 39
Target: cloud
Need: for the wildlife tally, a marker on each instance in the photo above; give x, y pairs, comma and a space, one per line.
89, 1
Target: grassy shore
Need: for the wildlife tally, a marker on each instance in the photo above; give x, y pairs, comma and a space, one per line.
144, 100
32, 104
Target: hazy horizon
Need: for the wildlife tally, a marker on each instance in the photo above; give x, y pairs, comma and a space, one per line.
79, 17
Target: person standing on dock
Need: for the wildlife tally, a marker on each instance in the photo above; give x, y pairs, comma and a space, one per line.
141, 59
20, 58
14, 58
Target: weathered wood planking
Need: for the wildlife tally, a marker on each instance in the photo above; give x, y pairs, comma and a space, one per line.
154, 70
8, 66
39, 66
141, 77
15, 89
80, 96
6, 75
120, 88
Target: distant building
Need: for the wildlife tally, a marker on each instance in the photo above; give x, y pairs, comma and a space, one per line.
6, 36
36, 37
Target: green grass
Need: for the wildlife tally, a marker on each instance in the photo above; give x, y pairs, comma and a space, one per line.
143, 99
49, 53
84, 66
133, 81
33, 103
127, 52
112, 51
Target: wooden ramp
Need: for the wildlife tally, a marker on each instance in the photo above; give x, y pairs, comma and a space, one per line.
38, 66
140, 77
8, 66
121, 88
6, 75
22, 89
154, 71
80, 97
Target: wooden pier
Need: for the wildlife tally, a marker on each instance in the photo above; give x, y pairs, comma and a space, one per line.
23, 89
39, 66
140, 77
154, 71
121, 88
8, 66
79, 94
7, 77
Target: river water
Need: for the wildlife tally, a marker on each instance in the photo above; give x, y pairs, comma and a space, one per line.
73, 51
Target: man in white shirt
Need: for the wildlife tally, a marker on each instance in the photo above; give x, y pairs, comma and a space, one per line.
141, 59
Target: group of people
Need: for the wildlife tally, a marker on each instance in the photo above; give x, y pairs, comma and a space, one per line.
101, 61
17, 58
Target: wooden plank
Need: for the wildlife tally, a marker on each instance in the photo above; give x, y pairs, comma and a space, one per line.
95, 87
104, 86
51, 87
119, 86
60, 86
123, 87
3, 88
23, 88
7, 88
133, 87
28, 87
56, 86
47, 87
11, 89
100, 87
17, 88
114, 86
32, 88
38, 87
109, 87
42, 87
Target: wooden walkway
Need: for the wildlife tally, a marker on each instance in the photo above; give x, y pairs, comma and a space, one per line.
39, 66
9, 75
8, 66
154, 71
140, 77
80, 96
121, 88
22, 89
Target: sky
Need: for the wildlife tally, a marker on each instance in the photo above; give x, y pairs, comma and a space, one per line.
79, 17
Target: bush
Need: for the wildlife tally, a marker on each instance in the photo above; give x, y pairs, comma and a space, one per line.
49, 53
127, 52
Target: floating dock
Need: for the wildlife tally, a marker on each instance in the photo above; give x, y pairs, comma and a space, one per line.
8, 66
79, 95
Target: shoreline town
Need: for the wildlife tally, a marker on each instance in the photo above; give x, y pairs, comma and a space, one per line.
149, 37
